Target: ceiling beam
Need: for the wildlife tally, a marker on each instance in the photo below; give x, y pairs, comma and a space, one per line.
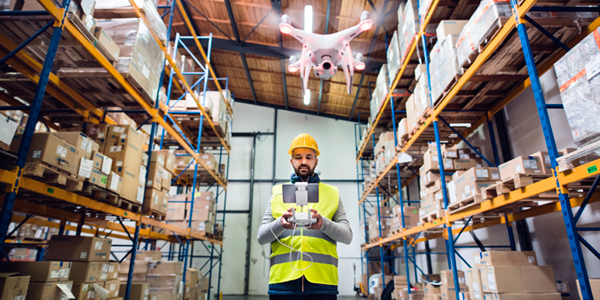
242, 54
298, 110
326, 30
368, 60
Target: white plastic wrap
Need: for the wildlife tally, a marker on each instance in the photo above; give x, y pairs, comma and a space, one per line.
483, 20
141, 57
424, 6
578, 78
444, 65
393, 56
382, 88
157, 25
422, 96
408, 28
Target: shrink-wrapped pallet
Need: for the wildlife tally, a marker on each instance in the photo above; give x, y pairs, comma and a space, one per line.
444, 65
393, 56
578, 78
483, 22
408, 29
424, 6
422, 95
148, 7
141, 58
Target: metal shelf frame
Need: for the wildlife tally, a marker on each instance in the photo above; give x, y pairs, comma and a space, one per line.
185, 237
558, 182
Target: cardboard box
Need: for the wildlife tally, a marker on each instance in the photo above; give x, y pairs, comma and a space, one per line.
519, 165
167, 177
140, 270
110, 49
138, 291
48, 290
448, 277
48, 148
155, 175
87, 290
86, 272
518, 279
113, 270
447, 27
39, 270
470, 183
164, 281
544, 161
192, 276
78, 248
99, 179
465, 164
148, 255
522, 296
124, 147
155, 200
209, 160
159, 157
476, 285
203, 284
83, 146
505, 258
176, 211
113, 287
13, 286
165, 268
449, 292
204, 210
595, 286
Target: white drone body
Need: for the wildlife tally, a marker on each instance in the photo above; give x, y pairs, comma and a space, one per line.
326, 52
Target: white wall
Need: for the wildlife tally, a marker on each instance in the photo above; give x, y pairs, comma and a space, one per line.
337, 161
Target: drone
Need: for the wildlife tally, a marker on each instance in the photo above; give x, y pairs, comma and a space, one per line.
326, 52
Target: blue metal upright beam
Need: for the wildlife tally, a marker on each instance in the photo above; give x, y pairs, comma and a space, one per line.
563, 196
36, 105
450, 240
381, 258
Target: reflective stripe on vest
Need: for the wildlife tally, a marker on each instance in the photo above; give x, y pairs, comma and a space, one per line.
316, 258
307, 232
318, 245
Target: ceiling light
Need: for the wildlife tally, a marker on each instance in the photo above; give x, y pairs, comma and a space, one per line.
467, 125
307, 97
308, 18
285, 29
366, 26
293, 69
360, 66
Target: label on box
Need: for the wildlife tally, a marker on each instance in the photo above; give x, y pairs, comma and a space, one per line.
592, 68
113, 287
468, 190
119, 129
145, 71
85, 167
62, 151
103, 276
83, 255
140, 195
106, 165
491, 281
530, 164
37, 154
64, 273
119, 163
19, 297
481, 173
495, 176
114, 182
115, 149
476, 291
66, 290
102, 292
98, 245
518, 169
531, 259
54, 274
123, 136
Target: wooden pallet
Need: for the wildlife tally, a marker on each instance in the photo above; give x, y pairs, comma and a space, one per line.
53, 176
516, 182
8, 160
447, 89
464, 204
131, 206
432, 216
492, 31
99, 193
569, 161
426, 113
155, 214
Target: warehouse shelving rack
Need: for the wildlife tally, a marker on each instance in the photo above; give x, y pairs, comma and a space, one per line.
40, 73
558, 182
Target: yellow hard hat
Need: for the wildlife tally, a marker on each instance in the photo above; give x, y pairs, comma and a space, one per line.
304, 140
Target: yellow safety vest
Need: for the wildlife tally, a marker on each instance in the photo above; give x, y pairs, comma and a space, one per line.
317, 244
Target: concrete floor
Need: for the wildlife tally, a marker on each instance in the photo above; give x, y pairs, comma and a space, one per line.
267, 297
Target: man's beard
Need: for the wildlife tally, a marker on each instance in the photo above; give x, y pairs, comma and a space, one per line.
304, 173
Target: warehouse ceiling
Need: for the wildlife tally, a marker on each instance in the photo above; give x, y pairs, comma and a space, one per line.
248, 47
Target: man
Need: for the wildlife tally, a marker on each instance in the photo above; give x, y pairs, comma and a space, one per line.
313, 273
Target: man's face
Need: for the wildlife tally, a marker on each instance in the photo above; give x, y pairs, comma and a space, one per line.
304, 161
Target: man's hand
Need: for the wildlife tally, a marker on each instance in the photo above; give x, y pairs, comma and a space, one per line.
284, 221
319, 223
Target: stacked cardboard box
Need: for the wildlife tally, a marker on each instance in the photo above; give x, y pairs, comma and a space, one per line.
123, 144
159, 181
511, 275
444, 64
196, 286
482, 22
448, 288
13, 286
43, 276
411, 217
382, 88
520, 165
579, 93
164, 280
432, 291
408, 26
386, 223
385, 150
202, 214
468, 184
